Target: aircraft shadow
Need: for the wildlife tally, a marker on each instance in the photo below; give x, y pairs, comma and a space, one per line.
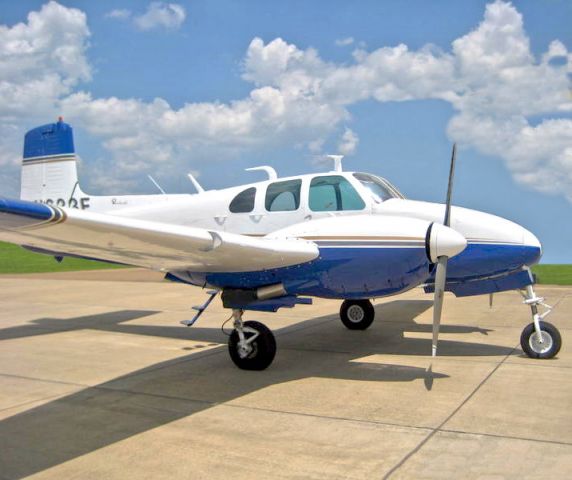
95, 417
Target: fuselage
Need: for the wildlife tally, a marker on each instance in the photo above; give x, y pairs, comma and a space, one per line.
372, 245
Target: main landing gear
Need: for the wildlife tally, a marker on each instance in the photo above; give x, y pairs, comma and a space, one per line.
251, 344
357, 314
539, 339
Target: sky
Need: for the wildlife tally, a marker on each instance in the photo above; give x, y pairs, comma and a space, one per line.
214, 87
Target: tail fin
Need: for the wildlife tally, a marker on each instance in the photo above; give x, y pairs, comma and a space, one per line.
49, 166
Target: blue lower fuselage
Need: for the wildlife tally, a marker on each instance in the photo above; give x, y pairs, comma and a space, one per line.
351, 273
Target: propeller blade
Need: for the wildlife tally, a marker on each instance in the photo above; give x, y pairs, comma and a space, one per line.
447, 220
441, 272
440, 277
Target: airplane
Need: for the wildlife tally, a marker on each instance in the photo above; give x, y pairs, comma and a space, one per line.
279, 242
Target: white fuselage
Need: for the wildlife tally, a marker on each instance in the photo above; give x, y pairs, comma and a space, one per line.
210, 210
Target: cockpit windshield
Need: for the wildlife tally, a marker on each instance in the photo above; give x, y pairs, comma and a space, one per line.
379, 188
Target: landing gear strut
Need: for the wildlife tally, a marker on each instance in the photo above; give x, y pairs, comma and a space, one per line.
357, 314
251, 344
539, 339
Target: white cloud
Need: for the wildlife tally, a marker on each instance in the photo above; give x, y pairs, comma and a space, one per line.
348, 142
344, 42
41, 61
52, 43
489, 76
119, 14
161, 15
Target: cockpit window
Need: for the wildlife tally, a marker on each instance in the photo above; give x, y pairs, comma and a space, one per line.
333, 193
244, 201
283, 196
379, 188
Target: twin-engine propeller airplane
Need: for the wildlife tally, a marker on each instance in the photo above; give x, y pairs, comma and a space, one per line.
275, 243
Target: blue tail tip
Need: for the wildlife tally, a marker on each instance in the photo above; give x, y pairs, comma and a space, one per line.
50, 139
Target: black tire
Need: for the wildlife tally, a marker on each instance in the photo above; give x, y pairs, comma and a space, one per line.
357, 314
263, 348
530, 345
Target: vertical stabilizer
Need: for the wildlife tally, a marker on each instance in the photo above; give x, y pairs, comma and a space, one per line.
49, 166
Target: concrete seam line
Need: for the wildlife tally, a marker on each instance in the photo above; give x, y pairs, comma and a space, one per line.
327, 417
19, 405
46, 380
508, 437
453, 413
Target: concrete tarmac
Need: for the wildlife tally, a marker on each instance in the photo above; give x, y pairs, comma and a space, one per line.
99, 381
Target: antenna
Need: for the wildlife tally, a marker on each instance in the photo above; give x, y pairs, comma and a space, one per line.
272, 175
156, 184
337, 162
195, 183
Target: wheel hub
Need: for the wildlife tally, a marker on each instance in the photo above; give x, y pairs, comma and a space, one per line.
244, 349
356, 314
540, 347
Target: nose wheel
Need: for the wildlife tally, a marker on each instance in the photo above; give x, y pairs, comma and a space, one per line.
539, 339
251, 344
357, 314
545, 345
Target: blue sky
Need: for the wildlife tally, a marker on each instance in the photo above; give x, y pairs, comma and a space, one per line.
241, 84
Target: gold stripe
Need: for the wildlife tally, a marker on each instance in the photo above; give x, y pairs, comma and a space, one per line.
354, 237
48, 160
58, 216
346, 237
62, 215
488, 240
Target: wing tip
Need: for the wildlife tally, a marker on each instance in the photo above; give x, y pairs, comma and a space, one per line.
24, 208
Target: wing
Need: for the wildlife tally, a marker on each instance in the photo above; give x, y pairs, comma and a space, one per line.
142, 243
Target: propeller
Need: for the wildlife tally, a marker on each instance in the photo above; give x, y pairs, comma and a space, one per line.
441, 272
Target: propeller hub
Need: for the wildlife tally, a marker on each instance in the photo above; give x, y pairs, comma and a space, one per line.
442, 241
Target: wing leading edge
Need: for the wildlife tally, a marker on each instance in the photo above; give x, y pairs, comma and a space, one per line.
142, 243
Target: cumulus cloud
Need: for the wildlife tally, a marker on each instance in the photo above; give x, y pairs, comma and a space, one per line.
348, 142
161, 15
506, 102
45, 56
41, 61
490, 77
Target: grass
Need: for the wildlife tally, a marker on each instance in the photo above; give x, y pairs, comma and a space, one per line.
553, 274
15, 259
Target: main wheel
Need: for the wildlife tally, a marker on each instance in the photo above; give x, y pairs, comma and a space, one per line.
357, 314
550, 345
259, 353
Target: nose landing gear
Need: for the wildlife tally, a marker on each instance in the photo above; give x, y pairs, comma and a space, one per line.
539, 339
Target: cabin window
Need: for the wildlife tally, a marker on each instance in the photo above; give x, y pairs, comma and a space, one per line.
243, 202
380, 189
334, 193
283, 196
